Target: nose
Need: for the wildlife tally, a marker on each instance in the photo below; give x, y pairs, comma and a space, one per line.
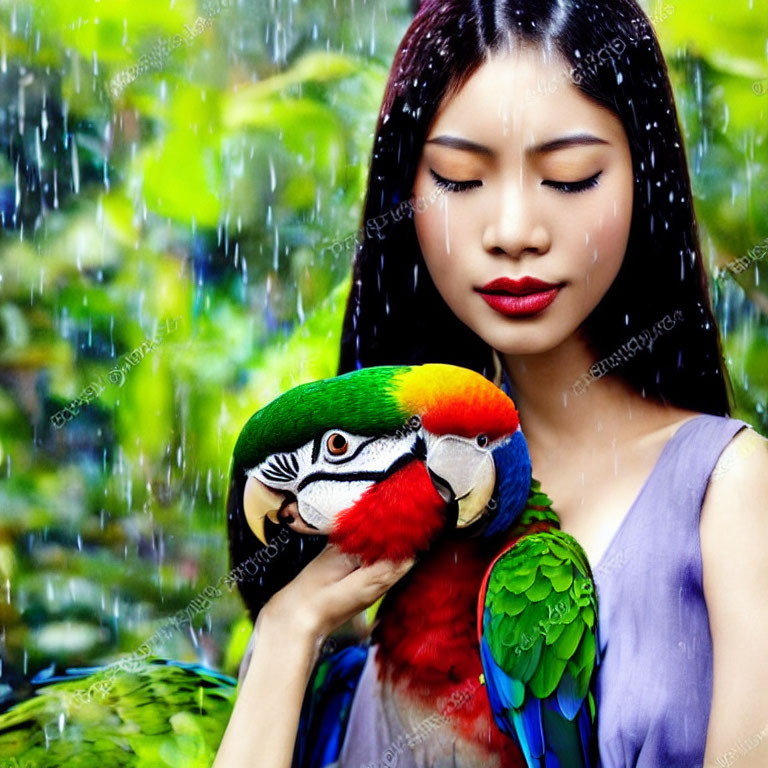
515, 224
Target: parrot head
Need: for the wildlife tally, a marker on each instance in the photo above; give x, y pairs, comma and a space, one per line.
382, 459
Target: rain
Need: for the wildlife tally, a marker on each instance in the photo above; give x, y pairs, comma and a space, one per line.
182, 186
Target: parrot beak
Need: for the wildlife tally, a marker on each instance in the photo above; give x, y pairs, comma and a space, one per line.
259, 502
463, 472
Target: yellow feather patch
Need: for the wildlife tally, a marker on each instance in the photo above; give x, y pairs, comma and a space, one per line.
425, 386
454, 400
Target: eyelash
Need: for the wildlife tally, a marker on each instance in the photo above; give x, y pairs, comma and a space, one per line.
569, 187
572, 187
454, 186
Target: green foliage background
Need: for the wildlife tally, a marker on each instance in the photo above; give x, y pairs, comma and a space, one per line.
210, 189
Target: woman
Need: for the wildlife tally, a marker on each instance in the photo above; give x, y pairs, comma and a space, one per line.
551, 131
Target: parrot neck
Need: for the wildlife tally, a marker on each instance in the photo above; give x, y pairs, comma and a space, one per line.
426, 626
427, 642
537, 515
431, 612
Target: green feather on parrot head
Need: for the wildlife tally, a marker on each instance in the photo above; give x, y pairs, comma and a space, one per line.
382, 459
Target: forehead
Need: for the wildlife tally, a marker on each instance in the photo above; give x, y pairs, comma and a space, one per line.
522, 92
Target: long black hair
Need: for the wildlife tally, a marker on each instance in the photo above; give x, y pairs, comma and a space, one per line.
395, 315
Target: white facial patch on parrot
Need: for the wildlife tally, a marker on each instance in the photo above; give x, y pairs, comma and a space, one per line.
330, 473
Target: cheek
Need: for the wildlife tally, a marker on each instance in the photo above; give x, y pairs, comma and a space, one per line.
608, 231
433, 232
440, 238
445, 229
431, 235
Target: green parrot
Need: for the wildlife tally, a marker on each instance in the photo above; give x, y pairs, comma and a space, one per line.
159, 713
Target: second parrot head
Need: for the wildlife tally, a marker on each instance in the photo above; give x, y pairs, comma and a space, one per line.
381, 459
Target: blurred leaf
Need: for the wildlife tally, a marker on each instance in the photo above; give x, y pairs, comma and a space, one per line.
723, 33
182, 170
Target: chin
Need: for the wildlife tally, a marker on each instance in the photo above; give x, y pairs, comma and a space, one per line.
530, 346
522, 341
523, 349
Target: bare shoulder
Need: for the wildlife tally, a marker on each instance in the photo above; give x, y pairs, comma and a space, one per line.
734, 518
737, 493
745, 443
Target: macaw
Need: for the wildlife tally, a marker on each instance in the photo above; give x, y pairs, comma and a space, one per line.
397, 461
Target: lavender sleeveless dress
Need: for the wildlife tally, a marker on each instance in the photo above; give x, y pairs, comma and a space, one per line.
654, 686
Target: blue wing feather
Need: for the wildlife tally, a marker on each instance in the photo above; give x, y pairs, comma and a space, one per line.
499, 686
529, 724
567, 696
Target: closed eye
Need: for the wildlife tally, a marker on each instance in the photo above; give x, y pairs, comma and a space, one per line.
563, 186
573, 186
454, 186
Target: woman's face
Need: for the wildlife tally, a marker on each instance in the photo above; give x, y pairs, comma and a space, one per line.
535, 186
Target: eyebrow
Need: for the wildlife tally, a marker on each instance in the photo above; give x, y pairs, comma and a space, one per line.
578, 139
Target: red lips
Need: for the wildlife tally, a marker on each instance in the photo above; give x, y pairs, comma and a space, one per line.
519, 298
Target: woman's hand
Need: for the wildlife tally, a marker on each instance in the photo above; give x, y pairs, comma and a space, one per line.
329, 591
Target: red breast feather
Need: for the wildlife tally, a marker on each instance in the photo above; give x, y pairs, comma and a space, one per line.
428, 646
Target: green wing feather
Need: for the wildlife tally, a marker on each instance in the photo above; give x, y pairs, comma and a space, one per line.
160, 715
538, 639
541, 595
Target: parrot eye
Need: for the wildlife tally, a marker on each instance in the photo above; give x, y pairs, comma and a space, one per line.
337, 444
482, 440
339, 447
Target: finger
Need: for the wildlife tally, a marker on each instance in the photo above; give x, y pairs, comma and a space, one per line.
341, 587
335, 558
330, 566
375, 579
388, 569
